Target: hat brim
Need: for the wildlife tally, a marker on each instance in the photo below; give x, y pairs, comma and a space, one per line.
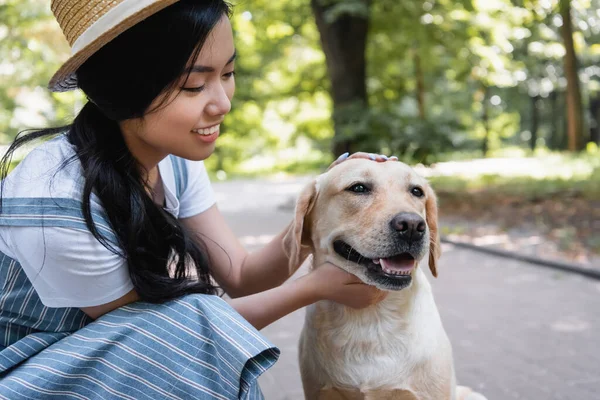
65, 78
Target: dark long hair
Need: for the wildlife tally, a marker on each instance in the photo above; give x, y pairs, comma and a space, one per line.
121, 81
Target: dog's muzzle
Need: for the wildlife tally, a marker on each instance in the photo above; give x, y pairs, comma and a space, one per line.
392, 268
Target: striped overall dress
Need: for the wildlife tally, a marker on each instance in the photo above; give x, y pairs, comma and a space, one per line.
195, 347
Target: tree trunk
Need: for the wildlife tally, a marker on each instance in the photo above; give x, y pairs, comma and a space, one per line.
595, 116
485, 117
344, 41
535, 119
564, 138
574, 106
553, 140
420, 79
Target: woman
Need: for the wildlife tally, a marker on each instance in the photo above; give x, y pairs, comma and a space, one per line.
109, 233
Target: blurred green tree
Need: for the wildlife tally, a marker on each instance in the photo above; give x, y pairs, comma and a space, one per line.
315, 78
32, 47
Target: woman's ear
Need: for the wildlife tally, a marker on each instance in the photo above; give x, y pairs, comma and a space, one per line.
431, 217
298, 232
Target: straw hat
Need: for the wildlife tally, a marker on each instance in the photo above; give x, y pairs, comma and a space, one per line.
89, 25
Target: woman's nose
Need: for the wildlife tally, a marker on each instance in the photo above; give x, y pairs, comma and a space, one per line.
220, 102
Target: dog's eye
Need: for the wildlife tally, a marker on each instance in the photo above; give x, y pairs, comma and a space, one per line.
417, 192
359, 188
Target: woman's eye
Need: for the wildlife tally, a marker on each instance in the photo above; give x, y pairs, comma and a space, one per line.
417, 192
194, 89
229, 74
358, 188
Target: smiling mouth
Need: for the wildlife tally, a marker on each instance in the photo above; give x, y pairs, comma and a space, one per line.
207, 131
395, 267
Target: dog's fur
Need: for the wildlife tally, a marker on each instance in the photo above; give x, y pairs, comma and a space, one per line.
397, 349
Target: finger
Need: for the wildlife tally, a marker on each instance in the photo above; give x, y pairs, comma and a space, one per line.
381, 295
361, 154
340, 159
352, 279
370, 156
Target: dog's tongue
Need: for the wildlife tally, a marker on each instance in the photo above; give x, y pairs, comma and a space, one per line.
401, 263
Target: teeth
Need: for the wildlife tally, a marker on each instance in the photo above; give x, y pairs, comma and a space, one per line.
390, 271
207, 131
381, 263
393, 272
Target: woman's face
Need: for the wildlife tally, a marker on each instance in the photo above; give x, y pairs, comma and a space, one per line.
188, 124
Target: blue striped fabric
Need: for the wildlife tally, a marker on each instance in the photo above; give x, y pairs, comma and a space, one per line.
196, 347
26, 325
180, 172
56, 212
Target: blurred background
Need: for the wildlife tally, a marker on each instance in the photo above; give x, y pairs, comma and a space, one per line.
496, 101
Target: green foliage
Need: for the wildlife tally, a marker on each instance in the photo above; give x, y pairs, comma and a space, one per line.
474, 64
281, 96
32, 49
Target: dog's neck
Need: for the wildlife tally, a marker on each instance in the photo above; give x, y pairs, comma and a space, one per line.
391, 339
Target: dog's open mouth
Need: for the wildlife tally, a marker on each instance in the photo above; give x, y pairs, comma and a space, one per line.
396, 267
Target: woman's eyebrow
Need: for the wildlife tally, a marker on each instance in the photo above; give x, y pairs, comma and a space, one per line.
204, 68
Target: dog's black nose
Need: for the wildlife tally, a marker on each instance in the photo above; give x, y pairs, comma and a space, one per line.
409, 226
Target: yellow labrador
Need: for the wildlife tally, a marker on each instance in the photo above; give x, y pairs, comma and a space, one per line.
376, 221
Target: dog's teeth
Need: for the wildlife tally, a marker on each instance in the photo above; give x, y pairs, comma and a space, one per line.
392, 272
376, 261
395, 272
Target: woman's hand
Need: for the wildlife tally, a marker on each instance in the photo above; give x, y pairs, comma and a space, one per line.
326, 282
367, 156
333, 283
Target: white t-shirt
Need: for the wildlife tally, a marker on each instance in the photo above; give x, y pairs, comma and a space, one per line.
69, 267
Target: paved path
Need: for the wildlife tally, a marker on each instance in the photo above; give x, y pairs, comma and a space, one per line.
518, 331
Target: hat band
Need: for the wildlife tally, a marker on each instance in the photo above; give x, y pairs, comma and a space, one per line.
108, 21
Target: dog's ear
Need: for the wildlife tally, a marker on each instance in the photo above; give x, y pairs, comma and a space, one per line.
435, 248
295, 239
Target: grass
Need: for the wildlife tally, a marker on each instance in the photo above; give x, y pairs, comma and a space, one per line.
541, 176
523, 186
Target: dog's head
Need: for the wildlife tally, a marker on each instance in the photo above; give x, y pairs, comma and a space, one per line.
376, 220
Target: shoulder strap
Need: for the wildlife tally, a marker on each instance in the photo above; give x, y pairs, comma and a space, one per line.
49, 212
181, 174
